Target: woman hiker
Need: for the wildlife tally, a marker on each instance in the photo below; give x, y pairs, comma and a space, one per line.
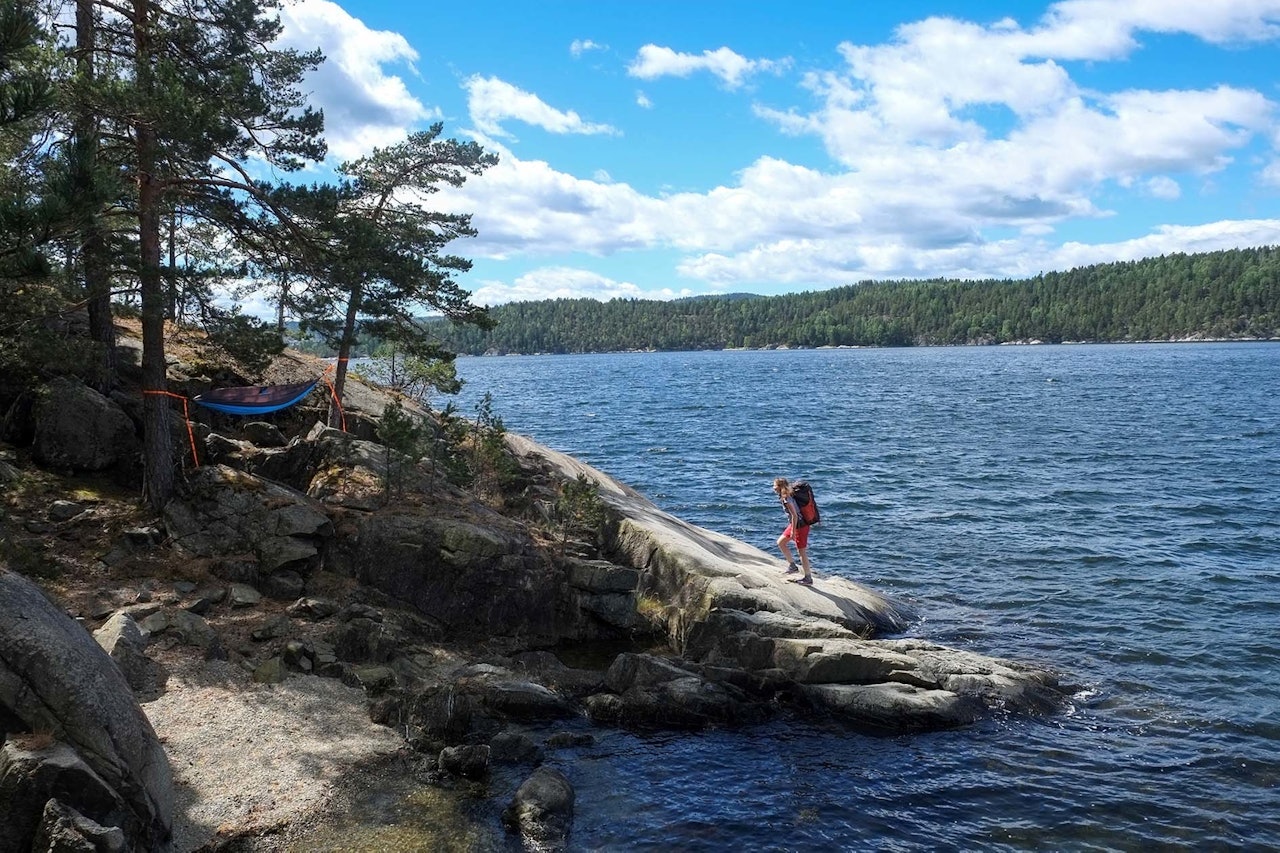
797, 531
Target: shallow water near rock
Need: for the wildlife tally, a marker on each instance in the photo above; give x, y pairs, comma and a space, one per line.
1110, 511
399, 813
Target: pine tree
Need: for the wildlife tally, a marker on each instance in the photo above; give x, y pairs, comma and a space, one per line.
382, 257
204, 95
37, 207
92, 185
26, 105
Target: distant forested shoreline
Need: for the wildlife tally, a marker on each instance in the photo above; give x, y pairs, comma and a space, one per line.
1225, 295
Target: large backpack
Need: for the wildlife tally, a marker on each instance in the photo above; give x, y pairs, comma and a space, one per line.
803, 494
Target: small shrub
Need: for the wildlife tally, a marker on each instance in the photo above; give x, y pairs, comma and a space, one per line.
578, 511
652, 611
445, 437
492, 467
402, 435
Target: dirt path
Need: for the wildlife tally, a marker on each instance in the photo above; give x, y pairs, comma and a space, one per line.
250, 758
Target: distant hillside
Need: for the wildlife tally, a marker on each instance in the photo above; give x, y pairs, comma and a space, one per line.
728, 297
1216, 295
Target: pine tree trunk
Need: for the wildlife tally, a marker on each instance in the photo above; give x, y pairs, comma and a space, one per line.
94, 263
344, 353
157, 442
282, 302
102, 328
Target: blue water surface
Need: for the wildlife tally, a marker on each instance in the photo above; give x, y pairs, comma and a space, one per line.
1110, 511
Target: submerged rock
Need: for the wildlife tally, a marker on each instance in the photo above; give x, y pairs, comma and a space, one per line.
515, 748
542, 809
471, 761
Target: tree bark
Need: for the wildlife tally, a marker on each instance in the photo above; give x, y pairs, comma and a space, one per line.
344, 353
95, 265
282, 302
157, 441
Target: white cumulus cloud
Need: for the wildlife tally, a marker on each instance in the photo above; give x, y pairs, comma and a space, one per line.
1270, 174
955, 148
952, 129
1072, 26
825, 263
654, 61
492, 101
580, 46
1164, 187
1171, 239
364, 105
559, 282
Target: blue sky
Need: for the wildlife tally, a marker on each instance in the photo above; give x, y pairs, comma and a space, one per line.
661, 149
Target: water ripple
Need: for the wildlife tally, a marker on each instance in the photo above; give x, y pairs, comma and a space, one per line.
1120, 523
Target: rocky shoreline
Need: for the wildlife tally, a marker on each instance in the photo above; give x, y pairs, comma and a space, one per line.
434, 617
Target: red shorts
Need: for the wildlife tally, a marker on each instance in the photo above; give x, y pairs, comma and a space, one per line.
800, 537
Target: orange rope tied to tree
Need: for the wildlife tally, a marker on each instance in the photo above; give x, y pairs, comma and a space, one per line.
333, 392
186, 415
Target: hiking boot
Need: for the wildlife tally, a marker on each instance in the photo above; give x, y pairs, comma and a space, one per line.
792, 568
807, 581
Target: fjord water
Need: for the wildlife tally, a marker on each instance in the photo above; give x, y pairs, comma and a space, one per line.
1110, 511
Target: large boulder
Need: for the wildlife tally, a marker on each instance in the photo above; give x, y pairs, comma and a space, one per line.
263, 434
334, 467
895, 708
62, 829
739, 627
474, 703
1000, 683
359, 474
474, 577
604, 597
294, 465
898, 685
225, 512
72, 725
542, 810
695, 572
34, 771
654, 692
545, 668
121, 638
78, 429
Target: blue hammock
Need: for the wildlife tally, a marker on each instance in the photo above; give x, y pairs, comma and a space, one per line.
256, 399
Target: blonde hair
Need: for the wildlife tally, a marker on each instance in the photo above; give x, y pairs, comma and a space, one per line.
781, 486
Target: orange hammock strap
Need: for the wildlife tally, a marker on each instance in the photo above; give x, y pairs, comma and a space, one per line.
333, 392
186, 416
